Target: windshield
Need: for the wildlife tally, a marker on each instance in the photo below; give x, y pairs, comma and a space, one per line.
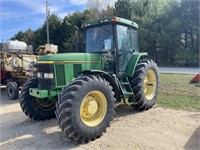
99, 39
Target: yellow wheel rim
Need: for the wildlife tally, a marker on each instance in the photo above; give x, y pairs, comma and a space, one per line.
93, 108
150, 84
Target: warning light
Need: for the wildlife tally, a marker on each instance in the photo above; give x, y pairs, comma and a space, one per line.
115, 19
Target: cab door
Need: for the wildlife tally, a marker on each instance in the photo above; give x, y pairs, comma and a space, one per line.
99, 39
127, 45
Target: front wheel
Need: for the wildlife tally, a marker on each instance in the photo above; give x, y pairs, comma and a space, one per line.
145, 83
85, 108
34, 108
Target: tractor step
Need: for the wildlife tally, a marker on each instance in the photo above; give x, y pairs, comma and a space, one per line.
124, 83
125, 87
128, 93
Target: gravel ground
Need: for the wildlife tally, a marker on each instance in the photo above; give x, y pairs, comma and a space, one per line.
157, 128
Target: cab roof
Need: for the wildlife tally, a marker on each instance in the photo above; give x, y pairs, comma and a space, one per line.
110, 20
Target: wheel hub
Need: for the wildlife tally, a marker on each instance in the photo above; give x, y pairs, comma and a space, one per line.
89, 107
93, 108
150, 84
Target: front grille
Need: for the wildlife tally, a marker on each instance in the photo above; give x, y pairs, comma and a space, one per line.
45, 83
77, 69
60, 74
45, 68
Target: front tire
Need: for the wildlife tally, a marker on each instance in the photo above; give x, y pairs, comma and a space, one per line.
12, 90
85, 108
145, 83
32, 107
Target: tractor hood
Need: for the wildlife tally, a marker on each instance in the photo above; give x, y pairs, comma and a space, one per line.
70, 58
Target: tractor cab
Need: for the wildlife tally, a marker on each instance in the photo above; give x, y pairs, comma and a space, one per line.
115, 39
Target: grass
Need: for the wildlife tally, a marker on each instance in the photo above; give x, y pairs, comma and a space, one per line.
176, 92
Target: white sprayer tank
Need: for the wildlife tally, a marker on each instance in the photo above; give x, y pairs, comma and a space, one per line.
16, 45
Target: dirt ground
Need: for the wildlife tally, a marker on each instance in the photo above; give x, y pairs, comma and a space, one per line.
157, 128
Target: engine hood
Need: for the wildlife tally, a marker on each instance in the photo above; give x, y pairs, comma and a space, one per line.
70, 58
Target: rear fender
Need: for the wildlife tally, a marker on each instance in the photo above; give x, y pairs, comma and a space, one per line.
130, 69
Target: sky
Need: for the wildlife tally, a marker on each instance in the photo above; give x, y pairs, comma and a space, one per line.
20, 15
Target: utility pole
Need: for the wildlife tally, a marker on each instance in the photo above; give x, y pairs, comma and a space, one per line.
47, 20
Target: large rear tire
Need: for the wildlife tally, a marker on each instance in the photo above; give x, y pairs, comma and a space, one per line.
12, 90
145, 83
33, 108
85, 108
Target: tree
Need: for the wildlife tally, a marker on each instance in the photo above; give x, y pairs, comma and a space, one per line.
68, 34
169, 29
99, 4
29, 37
108, 12
40, 37
190, 33
54, 29
123, 9
19, 36
159, 28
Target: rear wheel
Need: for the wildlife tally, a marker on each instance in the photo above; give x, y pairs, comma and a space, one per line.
85, 108
145, 84
34, 108
12, 90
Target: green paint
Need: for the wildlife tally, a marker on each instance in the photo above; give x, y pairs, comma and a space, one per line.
64, 73
53, 93
38, 93
69, 73
91, 66
73, 57
133, 63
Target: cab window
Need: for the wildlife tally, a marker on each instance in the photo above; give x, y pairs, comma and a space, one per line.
99, 38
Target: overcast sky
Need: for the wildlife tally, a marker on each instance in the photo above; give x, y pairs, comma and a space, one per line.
20, 15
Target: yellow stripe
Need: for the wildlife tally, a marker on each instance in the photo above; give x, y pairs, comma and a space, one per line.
45, 62
68, 61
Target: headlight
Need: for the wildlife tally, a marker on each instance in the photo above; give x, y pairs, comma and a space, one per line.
39, 74
48, 75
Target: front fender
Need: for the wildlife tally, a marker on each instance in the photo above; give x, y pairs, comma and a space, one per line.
133, 63
108, 77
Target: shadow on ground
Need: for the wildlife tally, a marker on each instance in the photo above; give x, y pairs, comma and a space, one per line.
194, 141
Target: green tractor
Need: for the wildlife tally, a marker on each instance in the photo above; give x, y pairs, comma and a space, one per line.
82, 89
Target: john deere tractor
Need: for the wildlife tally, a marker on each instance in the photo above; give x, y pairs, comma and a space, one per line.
82, 89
